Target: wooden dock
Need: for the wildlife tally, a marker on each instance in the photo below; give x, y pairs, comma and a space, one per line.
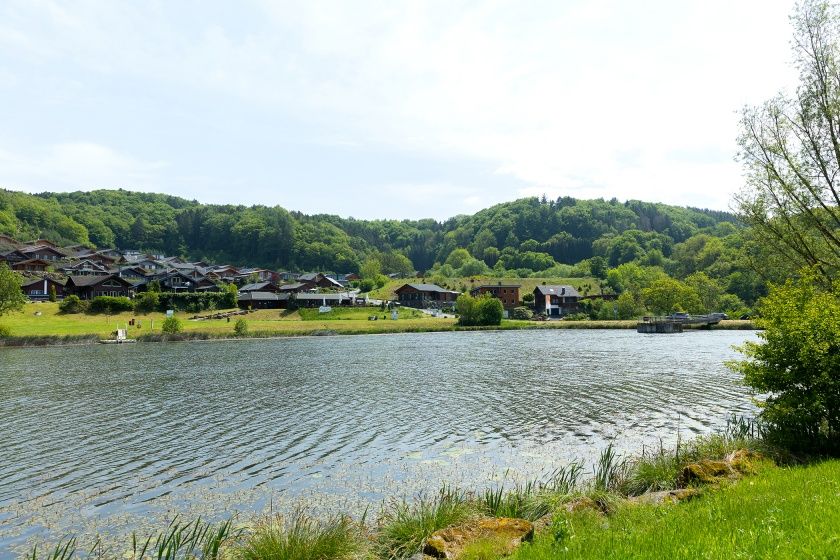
670, 324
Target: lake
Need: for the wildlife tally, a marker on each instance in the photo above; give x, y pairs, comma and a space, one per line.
112, 439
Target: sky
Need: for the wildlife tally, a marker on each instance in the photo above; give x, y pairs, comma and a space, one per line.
386, 109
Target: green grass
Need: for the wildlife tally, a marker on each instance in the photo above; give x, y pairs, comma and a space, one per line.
300, 537
403, 526
780, 513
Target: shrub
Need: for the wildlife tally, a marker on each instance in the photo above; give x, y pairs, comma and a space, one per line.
481, 311
110, 304
522, 314
72, 304
366, 285
240, 328
52, 295
147, 302
797, 364
172, 325
5, 331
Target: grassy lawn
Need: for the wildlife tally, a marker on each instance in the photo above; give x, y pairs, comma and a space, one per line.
43, 319
780, 513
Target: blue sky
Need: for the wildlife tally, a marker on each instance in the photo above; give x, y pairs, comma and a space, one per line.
385, 109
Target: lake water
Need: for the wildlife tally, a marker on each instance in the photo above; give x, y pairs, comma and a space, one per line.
110, 439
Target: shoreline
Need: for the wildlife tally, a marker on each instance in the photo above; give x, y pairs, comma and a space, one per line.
198, 335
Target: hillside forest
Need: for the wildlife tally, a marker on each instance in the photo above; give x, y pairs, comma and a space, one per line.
656, 257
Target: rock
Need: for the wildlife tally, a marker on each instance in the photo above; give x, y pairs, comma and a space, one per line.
502, 534
583, 503
665, 496
706, 472
743, 461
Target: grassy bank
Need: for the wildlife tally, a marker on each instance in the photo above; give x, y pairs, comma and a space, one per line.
42, 324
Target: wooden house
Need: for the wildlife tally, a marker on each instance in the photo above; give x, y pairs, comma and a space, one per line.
39, 288
260, 287
30, 265
425, 295
556, 301
89, 287
84, 267
508, 294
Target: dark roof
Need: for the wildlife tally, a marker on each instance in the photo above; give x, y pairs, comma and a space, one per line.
262, 296
255, 287
28, 283
427, 288
566, 291
92, 280
497, 286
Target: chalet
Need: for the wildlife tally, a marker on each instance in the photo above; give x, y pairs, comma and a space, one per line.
42, 252
249, 275
175, 281
84, 267
556, 301
30, 265
39, 289
269, 300
425, 295
260, 287
89, 287
42, 242
508, 294
320, 280
149, 264
297, 287
132, 273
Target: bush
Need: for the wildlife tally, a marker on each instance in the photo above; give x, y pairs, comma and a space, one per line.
147, 302
5, 331
240, 328
52, 295
72, 304
797, 364
482, 311
110, 304
366, 285
522, 314
172, 325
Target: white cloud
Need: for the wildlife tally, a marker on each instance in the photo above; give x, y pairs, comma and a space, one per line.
78, 165
592, 98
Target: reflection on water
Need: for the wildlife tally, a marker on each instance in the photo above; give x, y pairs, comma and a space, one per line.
111, 438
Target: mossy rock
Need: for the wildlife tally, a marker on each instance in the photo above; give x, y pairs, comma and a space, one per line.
705, 472
744, 461
583, 503
499, 536
665, 496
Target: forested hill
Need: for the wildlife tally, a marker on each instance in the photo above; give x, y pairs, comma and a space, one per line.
528, 233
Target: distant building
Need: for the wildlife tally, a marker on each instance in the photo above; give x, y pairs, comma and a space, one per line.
508, 294
89, 287
556, 301
423, 296
39, 289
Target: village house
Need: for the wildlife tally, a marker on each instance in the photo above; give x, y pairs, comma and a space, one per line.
84, 267
269, 300
39, 288
319, 280
260, 287
30, 265
425, 295
89, 287
556, 301
508, 294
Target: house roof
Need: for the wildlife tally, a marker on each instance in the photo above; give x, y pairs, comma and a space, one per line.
497, 286
427, 288
83, 281
262, 296
566, 291
255, 287
39, 281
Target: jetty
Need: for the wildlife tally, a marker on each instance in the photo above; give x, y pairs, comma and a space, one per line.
121, 338
674, 323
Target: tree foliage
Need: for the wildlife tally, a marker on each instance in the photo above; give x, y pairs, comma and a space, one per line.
481, 311
797, 364
11, 296
790, 149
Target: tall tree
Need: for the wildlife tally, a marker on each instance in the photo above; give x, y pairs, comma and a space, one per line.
790, 149
11, 296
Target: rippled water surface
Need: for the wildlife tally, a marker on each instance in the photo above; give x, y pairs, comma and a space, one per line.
111, 439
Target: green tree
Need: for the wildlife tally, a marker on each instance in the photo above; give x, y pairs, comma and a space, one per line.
52, 295
796, 367
240, 328
371, 269
667, 295
457, 258
11, 296
481, 311
172, 325
709, 290
790, 150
